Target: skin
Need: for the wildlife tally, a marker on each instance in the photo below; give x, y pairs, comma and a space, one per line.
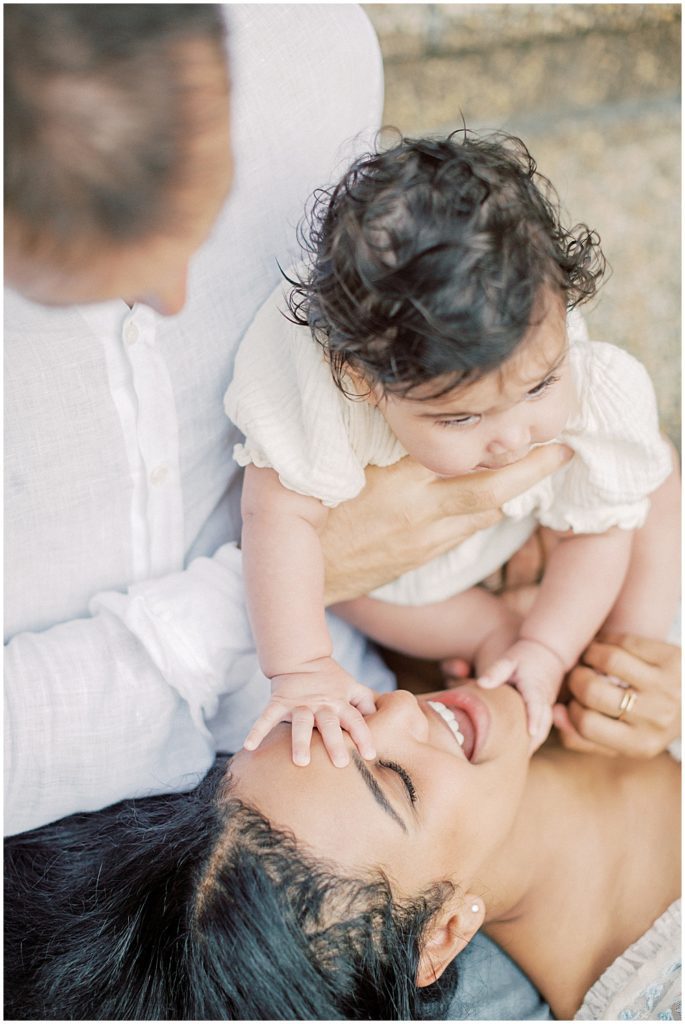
366, 542
514, 837
374, 539
494, 421
487, 425
630, 647
374, 536
153, 270
588, 722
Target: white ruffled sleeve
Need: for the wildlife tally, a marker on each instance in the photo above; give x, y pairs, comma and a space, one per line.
284, 400
620, 454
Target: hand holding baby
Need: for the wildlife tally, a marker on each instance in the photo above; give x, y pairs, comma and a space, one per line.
321, 695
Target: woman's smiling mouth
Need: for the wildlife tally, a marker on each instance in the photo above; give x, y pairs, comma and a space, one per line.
466, 716
447, 716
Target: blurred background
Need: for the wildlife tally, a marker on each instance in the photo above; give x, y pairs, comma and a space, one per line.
594, 92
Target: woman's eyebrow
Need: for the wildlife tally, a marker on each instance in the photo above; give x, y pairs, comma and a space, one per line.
378, 794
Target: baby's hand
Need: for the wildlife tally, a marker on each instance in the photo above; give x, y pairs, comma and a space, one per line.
326, 697
536, 672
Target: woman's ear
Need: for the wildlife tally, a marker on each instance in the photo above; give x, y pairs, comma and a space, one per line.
449, 932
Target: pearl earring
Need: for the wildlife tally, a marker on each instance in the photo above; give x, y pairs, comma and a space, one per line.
475, 908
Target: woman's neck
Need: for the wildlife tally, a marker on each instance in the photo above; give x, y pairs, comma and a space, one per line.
569, 887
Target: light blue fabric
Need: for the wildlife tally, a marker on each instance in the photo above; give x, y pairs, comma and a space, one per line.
491, 987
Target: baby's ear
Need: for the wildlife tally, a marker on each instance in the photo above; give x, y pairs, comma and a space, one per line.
449, 932
371, 393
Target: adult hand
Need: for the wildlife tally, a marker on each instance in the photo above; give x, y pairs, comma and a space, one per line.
406, 515
651, 669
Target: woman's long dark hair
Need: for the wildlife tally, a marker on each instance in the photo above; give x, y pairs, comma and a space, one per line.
193, 907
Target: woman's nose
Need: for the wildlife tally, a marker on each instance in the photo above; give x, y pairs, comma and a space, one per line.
397, 713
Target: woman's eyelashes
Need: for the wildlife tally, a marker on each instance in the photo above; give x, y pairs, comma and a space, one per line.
404, 775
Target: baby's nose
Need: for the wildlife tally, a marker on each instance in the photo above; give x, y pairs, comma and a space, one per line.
511, 436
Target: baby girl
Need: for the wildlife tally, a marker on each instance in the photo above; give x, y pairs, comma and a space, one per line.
436, 318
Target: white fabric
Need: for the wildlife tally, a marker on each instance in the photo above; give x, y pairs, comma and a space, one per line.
118, 466
298, 422
644, 983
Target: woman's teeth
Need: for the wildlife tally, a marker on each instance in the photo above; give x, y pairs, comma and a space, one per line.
447, 716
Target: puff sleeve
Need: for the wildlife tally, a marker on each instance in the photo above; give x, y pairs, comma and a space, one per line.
620, 454
295, 419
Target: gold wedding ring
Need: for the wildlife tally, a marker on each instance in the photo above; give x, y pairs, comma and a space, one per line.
627, 703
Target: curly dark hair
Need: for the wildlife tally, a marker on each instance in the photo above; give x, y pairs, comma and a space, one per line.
426, 261
193, 906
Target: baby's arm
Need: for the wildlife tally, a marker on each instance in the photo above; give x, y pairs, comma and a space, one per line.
580, 586
456, 627
284, 579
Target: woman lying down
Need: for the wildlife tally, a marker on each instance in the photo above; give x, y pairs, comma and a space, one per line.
277, 892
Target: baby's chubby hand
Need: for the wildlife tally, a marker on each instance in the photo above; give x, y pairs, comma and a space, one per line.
537, 672
325, 696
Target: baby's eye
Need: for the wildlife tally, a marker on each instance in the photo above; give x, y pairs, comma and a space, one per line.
543, 386
460, 421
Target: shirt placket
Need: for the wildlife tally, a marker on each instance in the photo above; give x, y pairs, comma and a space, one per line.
158, 486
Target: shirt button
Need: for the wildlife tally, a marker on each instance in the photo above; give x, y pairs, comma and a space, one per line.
159, 474
130, 334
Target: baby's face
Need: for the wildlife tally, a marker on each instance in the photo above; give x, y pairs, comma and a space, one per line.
496, 420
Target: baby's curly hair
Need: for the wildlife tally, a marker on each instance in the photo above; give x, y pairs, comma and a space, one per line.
425, 262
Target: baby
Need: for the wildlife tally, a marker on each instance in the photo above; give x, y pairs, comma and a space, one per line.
436, 319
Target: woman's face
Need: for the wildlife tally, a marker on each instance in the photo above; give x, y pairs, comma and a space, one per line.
425, 810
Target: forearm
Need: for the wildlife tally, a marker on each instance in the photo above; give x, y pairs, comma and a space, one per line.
582, 580
92, 717
649, 597
283, 568
455, 627
122, 703
284, 573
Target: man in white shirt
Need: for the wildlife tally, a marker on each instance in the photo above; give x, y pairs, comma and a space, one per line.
129, 659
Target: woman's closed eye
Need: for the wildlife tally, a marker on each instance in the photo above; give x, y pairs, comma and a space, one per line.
405, 777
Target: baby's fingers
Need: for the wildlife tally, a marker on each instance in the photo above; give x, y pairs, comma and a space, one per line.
355, 724
363, 699
271, 716
539, 724
301, 740
499, 673
455, 668
328, 724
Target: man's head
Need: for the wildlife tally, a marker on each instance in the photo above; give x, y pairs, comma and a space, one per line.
117, 155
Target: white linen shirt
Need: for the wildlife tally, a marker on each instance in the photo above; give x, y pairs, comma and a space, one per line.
297, 421
118, 469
